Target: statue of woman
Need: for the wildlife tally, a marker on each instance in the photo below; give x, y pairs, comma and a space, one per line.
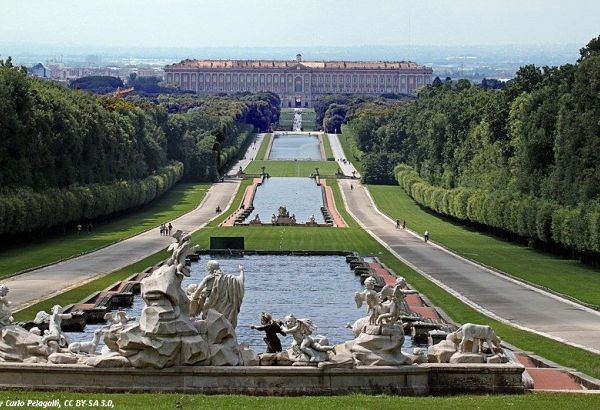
219, 291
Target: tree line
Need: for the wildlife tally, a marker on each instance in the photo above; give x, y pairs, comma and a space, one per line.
524, 158
84, 150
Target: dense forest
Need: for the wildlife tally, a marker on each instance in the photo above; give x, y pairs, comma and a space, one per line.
68, 155
524, 159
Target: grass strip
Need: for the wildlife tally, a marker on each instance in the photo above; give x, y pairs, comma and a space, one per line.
327, 147
262, 150
545, 401
292, 168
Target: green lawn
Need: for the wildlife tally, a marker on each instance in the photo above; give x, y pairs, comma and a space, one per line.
353, 154
286, 119
293, 168
566, 276
181, 199
199, 401
308, 119
327, 147
262, 150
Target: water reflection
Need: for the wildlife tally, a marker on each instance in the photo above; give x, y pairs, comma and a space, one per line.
301, 196
317, 287
295, 146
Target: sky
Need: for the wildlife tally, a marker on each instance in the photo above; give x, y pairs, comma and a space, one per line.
284, 23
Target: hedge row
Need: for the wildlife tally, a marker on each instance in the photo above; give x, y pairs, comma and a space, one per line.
529, 217
25, 210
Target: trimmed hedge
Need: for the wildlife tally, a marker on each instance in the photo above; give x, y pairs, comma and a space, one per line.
25, 210
529, 217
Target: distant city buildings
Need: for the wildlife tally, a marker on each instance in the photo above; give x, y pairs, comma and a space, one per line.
39, 70
61, 72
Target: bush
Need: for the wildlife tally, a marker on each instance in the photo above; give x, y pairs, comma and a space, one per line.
573, 228
25, 210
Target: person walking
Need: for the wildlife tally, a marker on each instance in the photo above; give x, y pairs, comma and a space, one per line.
404, 224
397, 223
426, 236
79, 229
170, 228
351, 187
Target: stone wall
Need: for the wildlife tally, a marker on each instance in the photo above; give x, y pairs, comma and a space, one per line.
405, 380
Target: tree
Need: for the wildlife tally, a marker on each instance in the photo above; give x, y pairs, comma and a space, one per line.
593, 47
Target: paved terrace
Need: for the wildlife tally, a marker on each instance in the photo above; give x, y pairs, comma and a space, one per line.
495, 294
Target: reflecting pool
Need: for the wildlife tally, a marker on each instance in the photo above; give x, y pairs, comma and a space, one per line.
320, 288
301, 196
295, 146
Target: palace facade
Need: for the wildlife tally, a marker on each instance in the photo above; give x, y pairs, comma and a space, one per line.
298, 83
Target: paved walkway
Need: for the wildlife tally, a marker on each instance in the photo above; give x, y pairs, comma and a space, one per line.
495, 294
250, 155
338, 153
30, 287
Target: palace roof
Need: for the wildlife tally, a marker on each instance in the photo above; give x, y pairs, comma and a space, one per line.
283, 64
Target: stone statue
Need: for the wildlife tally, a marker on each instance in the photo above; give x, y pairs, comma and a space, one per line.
477, 334
271, 328
372, 299
465, 345
6, 318
54, 320
390, 309
87, 347
304, 343
219, 291
283, 212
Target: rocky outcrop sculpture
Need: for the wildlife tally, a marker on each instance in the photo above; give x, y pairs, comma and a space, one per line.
168, 332
379, 336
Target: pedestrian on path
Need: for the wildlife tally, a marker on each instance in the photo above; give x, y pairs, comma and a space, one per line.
397, 223
426, 236
404, 224
170, 228
351, 187
79, 229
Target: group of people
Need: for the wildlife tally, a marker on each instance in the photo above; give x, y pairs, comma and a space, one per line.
403, 226
399, 225
165, 230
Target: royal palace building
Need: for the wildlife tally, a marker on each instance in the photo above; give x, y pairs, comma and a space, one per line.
298, 83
